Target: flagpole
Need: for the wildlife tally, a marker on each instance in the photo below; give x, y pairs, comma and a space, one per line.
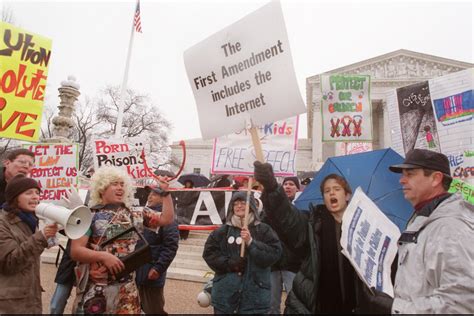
121, 104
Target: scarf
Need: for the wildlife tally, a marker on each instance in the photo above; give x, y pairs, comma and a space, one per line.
28, 218
238, 221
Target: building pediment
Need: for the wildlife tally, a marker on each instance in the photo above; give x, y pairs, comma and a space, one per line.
400, 65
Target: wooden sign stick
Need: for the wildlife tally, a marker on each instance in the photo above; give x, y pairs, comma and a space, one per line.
259, 154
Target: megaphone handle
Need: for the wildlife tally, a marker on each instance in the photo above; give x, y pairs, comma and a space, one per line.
52, 241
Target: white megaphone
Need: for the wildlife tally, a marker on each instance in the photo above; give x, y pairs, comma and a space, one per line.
76, 222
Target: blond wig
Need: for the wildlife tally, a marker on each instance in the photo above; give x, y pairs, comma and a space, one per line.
102, 179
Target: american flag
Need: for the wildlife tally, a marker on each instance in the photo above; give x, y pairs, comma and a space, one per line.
137, 23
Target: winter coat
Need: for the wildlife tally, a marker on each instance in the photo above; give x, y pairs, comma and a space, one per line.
436, 269
3, 185
318, 286
247, 293
164, 246
20, 250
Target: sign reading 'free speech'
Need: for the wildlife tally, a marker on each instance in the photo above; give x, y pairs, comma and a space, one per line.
234, 153
244, 71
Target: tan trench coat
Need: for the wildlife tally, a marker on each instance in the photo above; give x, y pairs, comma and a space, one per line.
20, 288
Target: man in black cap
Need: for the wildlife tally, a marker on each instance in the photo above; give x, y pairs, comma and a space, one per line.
435, 255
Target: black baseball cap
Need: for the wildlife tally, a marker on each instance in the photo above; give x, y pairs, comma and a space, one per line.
424, 159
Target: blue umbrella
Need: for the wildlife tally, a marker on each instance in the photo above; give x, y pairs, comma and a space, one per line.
198, 179
369, 171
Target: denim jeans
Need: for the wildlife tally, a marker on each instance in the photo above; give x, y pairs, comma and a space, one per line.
60, 297
279, 279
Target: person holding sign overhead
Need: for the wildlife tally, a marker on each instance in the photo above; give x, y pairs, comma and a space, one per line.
436, 258
326, 281
241, 284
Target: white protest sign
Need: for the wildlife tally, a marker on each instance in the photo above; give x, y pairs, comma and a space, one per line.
56, 168
244, 71
234, 153
369, 241
346, 108
125, 154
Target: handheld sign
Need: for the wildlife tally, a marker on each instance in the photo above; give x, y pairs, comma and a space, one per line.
24, 61
369, 241
242, 72
56, 169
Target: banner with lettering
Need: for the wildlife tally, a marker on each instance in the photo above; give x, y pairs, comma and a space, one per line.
244, 71
56, 168
369, 241
125, 154
24, 61
234, 153
346, 108
466, 190
437, 115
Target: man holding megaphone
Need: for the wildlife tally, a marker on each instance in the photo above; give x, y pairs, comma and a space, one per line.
21, 244
113, 235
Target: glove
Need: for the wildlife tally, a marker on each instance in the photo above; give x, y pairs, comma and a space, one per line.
264, 174
71, 201
237, 264
379, 302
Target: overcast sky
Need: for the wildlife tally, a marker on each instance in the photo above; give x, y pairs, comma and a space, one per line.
90, 40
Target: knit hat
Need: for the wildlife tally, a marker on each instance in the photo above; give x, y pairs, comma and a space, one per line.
294, 180
17, 185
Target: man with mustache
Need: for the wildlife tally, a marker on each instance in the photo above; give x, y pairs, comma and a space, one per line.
435, 256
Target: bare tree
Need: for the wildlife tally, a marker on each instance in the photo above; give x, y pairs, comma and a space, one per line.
7, 14
141, 118
49, 111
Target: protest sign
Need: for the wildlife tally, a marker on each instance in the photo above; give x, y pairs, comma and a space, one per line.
234, 153
369, 241
56, 168
466, 190
244, 71
440, 119
352, 148
125, 154
24, 61
346, 108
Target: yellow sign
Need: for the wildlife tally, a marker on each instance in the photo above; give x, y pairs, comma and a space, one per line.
24, 61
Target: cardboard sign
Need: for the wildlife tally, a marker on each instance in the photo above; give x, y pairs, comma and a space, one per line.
122, 154
369, 241
234, 153
244, 71
24, 61
437, 115
346, 108
56, 168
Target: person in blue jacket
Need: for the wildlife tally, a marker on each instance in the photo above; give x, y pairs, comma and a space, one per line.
241, 284
151, 277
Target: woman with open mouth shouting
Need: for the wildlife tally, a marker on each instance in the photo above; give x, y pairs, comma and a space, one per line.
326, 281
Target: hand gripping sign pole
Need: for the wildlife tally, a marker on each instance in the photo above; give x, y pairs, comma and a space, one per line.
257, 145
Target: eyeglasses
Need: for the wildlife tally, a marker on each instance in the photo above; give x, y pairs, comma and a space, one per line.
24, 162
237, 203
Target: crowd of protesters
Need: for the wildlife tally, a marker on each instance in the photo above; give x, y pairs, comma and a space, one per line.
278, 248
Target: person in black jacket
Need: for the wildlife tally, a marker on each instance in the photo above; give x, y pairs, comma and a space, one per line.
151, 277
326, 281
17, 161
64, 282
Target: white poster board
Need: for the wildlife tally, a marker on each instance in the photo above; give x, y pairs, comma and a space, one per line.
369, 241
56, 168
234, 153
124, 154
244, 71
452, 102
346, 108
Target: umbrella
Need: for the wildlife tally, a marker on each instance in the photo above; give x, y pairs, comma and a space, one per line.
198, 179
163, 173
368, 170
